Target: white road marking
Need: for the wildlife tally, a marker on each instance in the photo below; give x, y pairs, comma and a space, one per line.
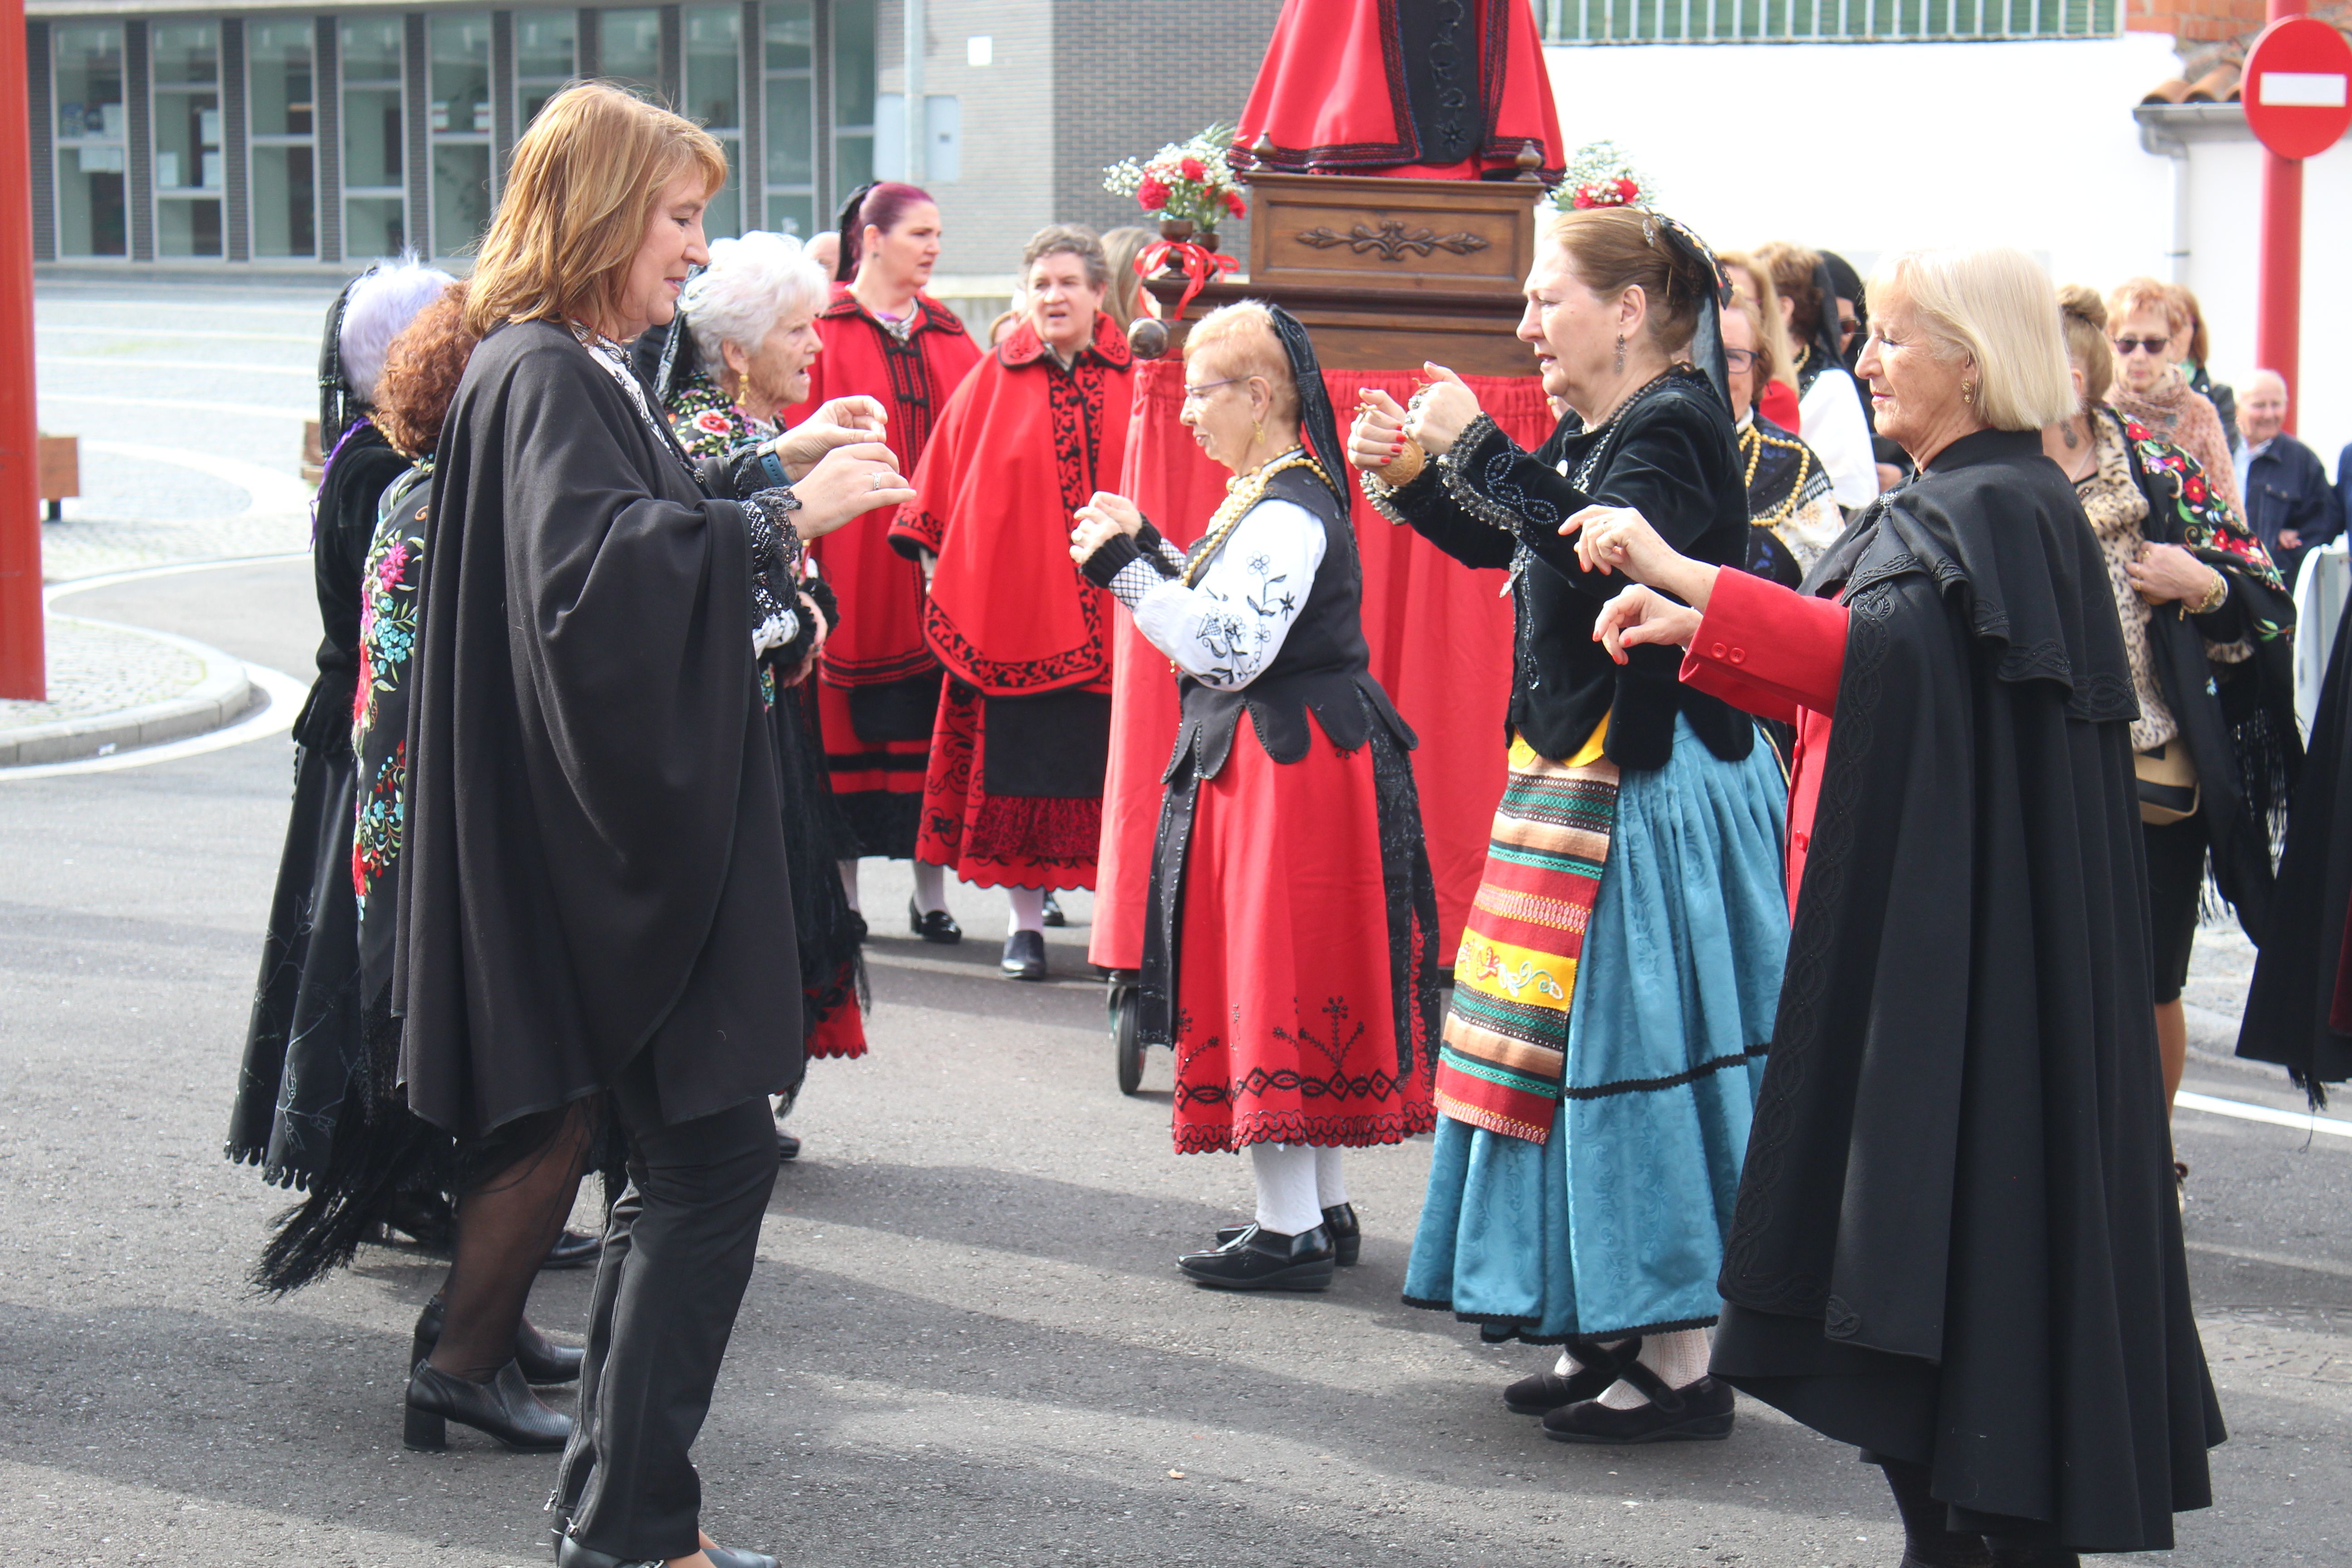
54, 591
2245, 1112
213, 366
129, 401
271, 491
2276, 1259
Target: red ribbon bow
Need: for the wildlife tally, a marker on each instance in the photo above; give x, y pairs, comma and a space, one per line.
1198, 264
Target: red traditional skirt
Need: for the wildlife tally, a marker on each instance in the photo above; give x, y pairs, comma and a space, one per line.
840, 1035
1286, 1009
996, 840
878, 783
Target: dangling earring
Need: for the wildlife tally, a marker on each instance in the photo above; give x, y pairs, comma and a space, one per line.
2066, 431
1257, 433
1968, 392
1618, 363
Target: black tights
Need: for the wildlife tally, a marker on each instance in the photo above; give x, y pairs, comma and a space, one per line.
506, 1223
1928, 1539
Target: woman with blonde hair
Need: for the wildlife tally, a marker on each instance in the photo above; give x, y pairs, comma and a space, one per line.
2208, 628
1957, 1245
595, 884
2149, 328
1128, 300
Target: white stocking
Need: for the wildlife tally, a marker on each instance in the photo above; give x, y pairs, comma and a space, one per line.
1679, 1359
1285, 1188
931, 887
1330, 1186
1028, 909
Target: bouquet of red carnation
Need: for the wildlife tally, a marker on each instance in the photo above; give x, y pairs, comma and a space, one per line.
1185, 180
1601, 175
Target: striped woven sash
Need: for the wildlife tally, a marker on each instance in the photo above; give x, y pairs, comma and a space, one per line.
1505, 1054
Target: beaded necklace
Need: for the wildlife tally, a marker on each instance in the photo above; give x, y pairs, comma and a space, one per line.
1242, 491
1752, 443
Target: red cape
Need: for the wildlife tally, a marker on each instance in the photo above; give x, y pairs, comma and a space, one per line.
881, 634
1440, 635
1333, 95
1020, 447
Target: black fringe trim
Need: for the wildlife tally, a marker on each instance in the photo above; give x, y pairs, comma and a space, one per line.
1518, 1327
1653, 1085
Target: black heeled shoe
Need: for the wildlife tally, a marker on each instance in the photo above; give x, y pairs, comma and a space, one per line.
1025, 955
1701, 1412
1347, 1238
1054, 915
504, 1408
937, 926
1596, 1366
542, 1361
574, 1249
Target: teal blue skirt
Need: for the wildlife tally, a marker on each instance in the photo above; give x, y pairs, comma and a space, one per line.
1615, 1224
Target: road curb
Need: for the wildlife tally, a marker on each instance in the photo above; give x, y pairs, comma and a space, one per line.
221, 694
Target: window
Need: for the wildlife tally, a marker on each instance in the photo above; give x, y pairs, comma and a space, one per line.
1806, 21
628, 50
789, 80
713, 98
375, 203
92, 218
457, 52
281, 106
185, 70
547, 55
853, 96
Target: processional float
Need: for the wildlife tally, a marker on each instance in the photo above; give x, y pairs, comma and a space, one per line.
1396, 155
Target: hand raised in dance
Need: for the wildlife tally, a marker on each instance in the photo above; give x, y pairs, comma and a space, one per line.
1442, 410
840, 421
1101, 520
1641, 616
1376, 438
847, 483
1619, 538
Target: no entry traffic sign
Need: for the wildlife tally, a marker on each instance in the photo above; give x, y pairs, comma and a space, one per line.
2298, 87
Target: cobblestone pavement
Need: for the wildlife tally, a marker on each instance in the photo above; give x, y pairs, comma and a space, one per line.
190, 403
96, 669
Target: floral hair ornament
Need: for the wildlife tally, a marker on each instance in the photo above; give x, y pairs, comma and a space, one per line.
1682, 243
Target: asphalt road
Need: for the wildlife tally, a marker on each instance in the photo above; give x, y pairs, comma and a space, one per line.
964, 1343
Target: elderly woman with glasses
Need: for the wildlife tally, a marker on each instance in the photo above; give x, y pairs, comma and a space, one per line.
2145, 322
1957, 1246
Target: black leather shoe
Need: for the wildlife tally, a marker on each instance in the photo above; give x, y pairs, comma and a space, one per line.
1054, 915
574, 1249
1703, 1412
504, 1408
1260, 1259
787, 1146
1347, 1237
1597, 1366
736, 1557
937, 926
425, 1218
1025, 955
543, 1362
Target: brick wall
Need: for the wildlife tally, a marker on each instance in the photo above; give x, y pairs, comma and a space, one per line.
1129, 78
2195, 21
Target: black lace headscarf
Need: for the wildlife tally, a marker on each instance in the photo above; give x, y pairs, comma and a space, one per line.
1315, 412
339, 405
1689, 255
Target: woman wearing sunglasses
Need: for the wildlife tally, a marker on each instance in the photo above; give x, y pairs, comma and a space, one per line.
2144, 318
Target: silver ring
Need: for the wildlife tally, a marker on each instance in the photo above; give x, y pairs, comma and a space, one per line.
877, 480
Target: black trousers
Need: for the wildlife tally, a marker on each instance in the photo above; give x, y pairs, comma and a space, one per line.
678, 1255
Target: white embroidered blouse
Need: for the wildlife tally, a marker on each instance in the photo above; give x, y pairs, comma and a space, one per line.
1225, 632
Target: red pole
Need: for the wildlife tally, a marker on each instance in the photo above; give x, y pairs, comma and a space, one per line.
23, 669
2278, 319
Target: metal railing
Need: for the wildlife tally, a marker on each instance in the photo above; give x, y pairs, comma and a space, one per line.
1822, 21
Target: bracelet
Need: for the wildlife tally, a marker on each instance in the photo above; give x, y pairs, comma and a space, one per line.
1407, 465
2215, 596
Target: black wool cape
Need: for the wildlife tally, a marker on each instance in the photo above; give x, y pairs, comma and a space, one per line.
1956, 1241
595, 860
2299, 1009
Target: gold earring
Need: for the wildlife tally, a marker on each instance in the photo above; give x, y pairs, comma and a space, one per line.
1620, 360
1968, 392
1257, 431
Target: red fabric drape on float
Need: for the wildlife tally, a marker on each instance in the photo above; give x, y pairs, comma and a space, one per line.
1440, 635
1332, 95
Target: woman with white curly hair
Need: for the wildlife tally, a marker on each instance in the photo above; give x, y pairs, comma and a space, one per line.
744, 355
